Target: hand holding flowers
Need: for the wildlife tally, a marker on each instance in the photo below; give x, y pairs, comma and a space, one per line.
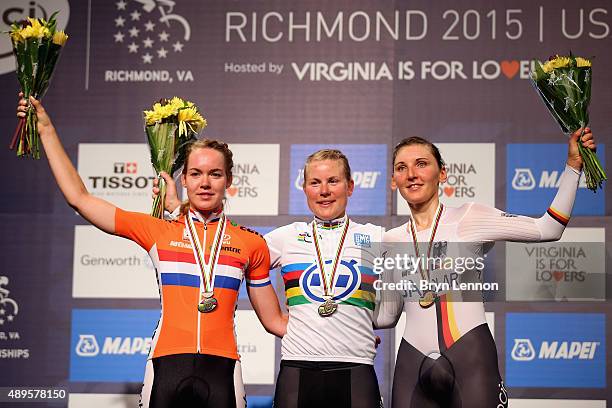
170, 125
37, 46
564, 84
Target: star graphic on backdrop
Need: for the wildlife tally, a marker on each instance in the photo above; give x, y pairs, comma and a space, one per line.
133, 47
147, 58
1, 321
135, 15
162, 52
119, 36
147, 42
163, 36
149, 26
2, 312
134, 32
119, 21
178, 46
9, 318
121, 5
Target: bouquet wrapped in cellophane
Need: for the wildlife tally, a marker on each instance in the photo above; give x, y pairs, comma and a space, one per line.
564, 84
37, 46
170, 125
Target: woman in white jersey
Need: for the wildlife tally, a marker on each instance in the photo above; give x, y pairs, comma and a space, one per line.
326, 264
447, 357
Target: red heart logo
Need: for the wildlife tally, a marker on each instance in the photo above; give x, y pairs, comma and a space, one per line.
558, 275
449, 191
510, 68
232, 191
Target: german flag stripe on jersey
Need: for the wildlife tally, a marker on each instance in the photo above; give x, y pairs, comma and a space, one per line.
558, 216
448, 333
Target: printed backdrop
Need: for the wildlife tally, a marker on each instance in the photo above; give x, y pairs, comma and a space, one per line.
278, 80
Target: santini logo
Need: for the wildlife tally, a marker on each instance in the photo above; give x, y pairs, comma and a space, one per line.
523, 350
87, 346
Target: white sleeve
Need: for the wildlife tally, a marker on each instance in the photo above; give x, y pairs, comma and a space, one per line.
484, 223
275, 240
389, 302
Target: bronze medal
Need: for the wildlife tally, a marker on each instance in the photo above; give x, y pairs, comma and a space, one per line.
428, 299
207, 305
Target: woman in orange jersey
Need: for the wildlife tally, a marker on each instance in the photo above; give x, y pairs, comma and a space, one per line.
200, 261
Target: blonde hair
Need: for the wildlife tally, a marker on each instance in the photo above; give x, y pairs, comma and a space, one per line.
221, 147
329, 154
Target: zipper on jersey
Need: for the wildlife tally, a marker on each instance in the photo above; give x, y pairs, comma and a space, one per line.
199, 315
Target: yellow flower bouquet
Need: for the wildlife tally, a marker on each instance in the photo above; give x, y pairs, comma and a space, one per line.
170, 125
564, 84
37, 46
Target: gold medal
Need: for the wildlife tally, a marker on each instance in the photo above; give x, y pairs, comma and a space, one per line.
428, 299
328, 308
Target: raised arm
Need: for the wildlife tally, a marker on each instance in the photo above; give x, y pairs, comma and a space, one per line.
484, 223
95, 210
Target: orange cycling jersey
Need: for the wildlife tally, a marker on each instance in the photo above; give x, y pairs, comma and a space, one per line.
182, 328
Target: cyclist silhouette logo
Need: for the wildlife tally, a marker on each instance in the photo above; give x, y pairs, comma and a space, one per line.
8, 307
150, 29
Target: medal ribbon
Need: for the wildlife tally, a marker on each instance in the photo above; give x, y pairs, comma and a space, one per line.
206, 268
432, 235
328, 278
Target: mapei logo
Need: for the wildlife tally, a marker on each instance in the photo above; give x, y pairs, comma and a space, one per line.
362, 179
534, 172
523, 350
554, 350
110, 344
362, 240
13, 11
523, 180
87, 346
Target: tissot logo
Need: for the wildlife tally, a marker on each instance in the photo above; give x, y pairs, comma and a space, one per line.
129, 168
12, 11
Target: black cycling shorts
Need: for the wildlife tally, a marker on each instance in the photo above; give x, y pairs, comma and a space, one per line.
308, 384
193, 380
464, 376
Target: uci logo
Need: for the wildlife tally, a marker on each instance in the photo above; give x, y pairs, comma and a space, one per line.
523, 350
87, 346
347, 280
13, 11
523, 179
